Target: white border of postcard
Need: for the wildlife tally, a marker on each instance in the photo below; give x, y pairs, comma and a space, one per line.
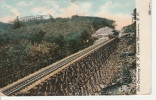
143, 47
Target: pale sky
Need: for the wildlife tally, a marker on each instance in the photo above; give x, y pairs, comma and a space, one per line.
117, 10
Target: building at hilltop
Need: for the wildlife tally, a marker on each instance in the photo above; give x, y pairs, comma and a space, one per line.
38, 17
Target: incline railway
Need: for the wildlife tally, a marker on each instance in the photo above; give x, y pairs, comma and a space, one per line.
26, 82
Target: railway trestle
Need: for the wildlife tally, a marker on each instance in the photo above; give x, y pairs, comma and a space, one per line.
86, 74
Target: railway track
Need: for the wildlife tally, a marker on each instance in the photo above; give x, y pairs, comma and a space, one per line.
31, 79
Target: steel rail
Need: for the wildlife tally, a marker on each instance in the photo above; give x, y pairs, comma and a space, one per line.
28, 81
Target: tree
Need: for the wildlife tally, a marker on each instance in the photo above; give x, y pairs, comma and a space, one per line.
40, 35
85, 36
75, 16
73, 46
17, 24
134, 14
60, 40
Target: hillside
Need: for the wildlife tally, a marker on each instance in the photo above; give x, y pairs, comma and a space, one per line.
126, 80
49, 30
37, 44
130, 28
4, 26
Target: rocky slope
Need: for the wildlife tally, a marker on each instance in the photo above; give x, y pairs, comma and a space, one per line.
126, 79
102, 34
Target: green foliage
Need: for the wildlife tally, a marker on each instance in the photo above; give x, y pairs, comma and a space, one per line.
134, 14
62, 31
60, 40
17, 24
4, 26
46, 41
130, 28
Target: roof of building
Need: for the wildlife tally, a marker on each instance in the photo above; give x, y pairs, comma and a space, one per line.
34, 16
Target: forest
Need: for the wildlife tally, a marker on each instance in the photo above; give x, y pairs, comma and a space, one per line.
26, 47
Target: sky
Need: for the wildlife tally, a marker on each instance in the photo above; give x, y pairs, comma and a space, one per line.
117, 10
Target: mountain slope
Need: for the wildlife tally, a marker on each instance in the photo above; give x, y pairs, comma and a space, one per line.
3, 26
